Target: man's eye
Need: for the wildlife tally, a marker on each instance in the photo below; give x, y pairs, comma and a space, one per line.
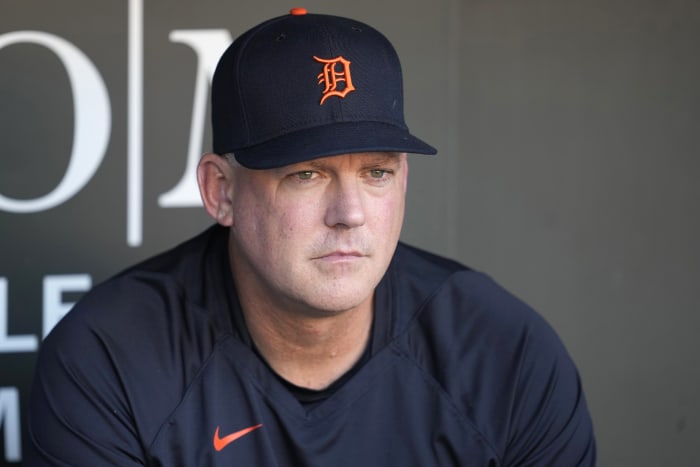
377, 173
305, 175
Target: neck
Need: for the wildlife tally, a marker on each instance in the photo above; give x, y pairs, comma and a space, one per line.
309, 351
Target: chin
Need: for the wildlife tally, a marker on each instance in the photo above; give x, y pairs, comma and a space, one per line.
331, 304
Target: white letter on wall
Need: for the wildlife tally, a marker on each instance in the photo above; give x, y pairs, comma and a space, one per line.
91, 126
208, 45
26, 343
9, 419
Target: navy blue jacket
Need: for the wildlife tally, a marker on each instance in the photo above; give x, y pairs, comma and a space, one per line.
155, 367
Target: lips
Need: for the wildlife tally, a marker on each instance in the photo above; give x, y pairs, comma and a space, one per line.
340, 255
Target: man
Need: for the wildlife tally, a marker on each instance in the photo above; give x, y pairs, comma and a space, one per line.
298, 331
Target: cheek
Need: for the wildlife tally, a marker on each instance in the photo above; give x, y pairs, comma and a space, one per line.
391, 211
268, 219
293, 222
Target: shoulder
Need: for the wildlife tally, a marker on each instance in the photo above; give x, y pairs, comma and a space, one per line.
451, 299
497, 360
155, 290
147, 305
135, 341
439, 292
456, 307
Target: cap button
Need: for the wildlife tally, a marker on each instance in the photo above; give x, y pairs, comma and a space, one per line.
298, 11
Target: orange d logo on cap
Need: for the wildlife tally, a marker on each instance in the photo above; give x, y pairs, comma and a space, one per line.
336, 77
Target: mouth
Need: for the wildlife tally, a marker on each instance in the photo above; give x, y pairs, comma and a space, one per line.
340, 255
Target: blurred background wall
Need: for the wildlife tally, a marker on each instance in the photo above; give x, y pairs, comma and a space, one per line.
569, 135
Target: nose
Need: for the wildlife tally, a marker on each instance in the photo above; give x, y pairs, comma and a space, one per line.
345, 206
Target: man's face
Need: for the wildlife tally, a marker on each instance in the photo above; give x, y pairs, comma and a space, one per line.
316, 237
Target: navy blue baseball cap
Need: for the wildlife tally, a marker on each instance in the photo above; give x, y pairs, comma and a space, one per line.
303, 86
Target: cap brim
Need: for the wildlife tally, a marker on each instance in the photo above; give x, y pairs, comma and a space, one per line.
331, 140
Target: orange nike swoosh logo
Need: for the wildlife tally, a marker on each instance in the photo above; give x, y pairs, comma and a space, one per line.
220, 443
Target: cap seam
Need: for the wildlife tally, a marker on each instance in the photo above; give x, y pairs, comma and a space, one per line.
240, 69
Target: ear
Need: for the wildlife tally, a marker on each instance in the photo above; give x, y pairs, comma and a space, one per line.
404, 180
215, 179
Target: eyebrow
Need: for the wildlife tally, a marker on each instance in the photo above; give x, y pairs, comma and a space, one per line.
377, 158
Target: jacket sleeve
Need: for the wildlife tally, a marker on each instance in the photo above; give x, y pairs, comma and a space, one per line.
79, 412
549, 420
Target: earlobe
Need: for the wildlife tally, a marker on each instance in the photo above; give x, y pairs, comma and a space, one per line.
214, 176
